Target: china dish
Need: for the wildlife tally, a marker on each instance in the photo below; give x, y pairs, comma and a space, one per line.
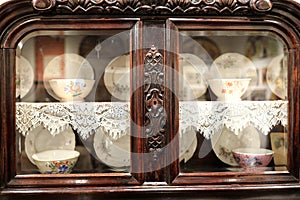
56, 161
115, 154
24, 76
71, 89
117, 77
224, 141
277, 76
192, 82
234, 66
67, 66
188, 145
229, 89
252, 157
40, 139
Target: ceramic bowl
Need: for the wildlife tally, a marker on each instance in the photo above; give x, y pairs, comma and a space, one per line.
56, 161
71, 89
252, 157
229, 89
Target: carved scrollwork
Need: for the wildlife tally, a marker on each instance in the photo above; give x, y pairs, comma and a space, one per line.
89, 6
154, 6
43, 5
155, 116
262, 5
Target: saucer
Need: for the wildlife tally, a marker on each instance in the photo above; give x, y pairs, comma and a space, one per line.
40, 139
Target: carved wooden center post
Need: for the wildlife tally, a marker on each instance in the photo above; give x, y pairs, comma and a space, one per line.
155, 116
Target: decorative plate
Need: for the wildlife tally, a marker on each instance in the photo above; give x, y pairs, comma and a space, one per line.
115, 154
24, 76
192, 81
234, 65
67, 66
188, 145
117, 77
224, 141
277, 76
40, 139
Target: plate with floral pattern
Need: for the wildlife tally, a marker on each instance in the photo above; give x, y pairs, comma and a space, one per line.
116, 153
40, 139
192, 82
224, 141
113, 153
188, 145
117, 77
277, 76
67, 66
235, 65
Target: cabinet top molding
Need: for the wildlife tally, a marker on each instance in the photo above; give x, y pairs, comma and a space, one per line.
192, 7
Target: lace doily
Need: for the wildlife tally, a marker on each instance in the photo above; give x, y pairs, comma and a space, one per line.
210, 116
114, 118
85, 118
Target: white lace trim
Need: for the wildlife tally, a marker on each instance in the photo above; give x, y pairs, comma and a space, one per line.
210, 116
85, 118
206, 117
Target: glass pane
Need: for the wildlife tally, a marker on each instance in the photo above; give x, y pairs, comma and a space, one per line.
73, 94
233, 101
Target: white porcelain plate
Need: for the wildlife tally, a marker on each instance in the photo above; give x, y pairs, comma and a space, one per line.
115, 154
224, 141
277, 76
24, 76
188, 145
192, 82
40, 139
117, 77
67, 66
234, 65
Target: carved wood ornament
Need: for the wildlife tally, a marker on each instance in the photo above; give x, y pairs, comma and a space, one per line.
155, 117
154, 6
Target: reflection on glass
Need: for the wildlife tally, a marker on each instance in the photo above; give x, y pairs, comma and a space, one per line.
72, 91
233, 95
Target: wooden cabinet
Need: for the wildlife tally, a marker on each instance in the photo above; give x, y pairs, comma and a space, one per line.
173, 87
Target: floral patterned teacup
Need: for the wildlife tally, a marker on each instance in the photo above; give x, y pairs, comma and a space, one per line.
229, 89
56, 161
252, 157
71, 89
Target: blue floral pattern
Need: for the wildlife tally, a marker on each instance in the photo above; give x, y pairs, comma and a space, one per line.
75, 88
60, 167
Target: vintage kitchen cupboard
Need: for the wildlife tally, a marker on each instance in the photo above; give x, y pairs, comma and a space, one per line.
155, 96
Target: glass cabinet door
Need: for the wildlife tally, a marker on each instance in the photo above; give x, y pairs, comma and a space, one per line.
232, 101
73, 98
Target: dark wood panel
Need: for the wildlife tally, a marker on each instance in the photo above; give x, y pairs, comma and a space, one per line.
159, 192
8, 144
155, 115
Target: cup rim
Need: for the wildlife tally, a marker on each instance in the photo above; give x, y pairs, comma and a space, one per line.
75, 154
229, 79
253, 151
